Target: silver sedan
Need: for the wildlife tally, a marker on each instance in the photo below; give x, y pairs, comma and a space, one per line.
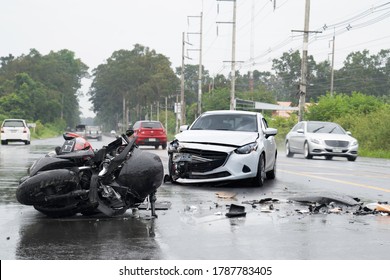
314, 138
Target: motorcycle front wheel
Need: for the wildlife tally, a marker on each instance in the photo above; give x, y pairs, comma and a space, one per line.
37, 190
57, 211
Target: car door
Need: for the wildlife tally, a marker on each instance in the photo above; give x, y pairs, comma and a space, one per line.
296, 138
269, 144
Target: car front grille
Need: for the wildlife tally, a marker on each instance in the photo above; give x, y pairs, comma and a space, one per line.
204, 161
337, 143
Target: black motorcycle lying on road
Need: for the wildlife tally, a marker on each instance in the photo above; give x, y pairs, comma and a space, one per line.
76, 179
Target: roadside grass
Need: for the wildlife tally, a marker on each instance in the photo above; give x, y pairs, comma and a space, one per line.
374, 154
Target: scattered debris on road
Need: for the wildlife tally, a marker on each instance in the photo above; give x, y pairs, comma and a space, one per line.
236, 211
226, 195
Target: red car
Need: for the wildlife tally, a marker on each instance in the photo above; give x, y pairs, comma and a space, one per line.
150, 133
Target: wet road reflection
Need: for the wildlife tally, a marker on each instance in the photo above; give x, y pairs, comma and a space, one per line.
14, 161
127, 237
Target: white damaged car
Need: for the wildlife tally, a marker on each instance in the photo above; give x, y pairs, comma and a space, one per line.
224, 146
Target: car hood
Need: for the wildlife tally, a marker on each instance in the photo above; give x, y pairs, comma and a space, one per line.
217, 137
330, 136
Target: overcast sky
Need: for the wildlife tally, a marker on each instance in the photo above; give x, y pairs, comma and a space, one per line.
94, 29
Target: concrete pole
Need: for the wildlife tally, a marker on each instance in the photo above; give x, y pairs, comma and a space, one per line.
182, 101
332, 71
200, 68
303, 86
233, 70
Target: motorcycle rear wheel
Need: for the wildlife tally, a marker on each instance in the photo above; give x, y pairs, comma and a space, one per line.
35, 190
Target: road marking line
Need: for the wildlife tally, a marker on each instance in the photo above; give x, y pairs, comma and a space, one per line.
336, 180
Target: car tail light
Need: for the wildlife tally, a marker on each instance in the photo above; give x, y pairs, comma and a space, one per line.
2, 130
25, 130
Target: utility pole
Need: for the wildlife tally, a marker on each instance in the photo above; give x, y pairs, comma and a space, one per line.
182, 101
233, 72
304, 71
233, 62
200, 67
252, 48
199, 109
303, 86
332, 71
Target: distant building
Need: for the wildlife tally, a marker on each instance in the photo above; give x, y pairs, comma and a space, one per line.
283, 113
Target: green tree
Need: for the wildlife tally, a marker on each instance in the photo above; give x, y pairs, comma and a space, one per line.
369, 74
218, 99
50, 82
132, 79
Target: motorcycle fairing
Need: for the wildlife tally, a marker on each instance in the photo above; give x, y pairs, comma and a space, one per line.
50, 163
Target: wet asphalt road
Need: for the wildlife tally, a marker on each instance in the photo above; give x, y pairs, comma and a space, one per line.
195, 225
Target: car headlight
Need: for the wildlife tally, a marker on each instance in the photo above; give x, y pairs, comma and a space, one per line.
354, 143
247, 148
315, 141
172, 147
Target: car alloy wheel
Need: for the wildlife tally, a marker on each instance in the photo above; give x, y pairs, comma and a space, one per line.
307, 151
288, 152
258, 181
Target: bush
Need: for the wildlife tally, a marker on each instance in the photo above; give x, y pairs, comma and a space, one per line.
329, 108
372, 130
49, 129
283, 125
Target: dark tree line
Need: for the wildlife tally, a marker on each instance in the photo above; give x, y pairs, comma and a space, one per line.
41, 87
137, 83
124, 88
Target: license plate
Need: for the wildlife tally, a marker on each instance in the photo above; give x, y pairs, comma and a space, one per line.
13, 131
152, 139
182, 157
68, 145
337, 150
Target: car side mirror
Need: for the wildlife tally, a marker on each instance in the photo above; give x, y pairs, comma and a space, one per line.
270, 132
300, 131
183, 127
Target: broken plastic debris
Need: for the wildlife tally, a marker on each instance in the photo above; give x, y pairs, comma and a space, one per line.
163, 205
302, 211
335, 210
236, 211
191, 208
379, 207
326, 199
265, 210
226, 194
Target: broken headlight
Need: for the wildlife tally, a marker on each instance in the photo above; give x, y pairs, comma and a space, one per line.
247, 149
172, 147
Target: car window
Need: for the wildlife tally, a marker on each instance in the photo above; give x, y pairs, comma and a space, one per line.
230, 122
13, 123
324, 128
136, 125
151, 125
298, 126
265, 123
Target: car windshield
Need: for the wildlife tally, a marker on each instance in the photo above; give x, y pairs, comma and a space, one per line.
230, 122
151, 125
13, 124
324, 128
